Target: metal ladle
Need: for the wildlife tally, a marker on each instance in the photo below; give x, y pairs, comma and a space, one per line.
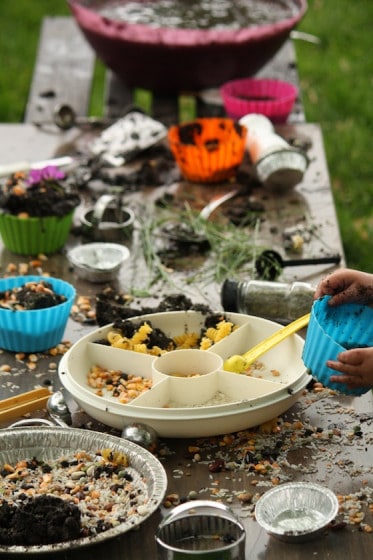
58, 410
269, 264
142, 434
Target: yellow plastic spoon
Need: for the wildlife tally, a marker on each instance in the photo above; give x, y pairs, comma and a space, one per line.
239, 363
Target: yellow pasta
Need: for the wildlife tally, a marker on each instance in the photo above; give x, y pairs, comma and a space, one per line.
156, 351
114, 337
139, 341
206, 343
142, 334
123, 343
187, 340
142, 348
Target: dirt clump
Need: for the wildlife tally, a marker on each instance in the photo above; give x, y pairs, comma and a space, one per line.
40, 520
112, 306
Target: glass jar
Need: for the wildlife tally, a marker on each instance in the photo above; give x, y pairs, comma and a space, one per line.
272, 300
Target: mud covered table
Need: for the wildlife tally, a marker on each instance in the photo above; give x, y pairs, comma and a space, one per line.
323, 438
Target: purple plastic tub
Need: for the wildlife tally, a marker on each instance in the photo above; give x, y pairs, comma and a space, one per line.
332, 330
168, 60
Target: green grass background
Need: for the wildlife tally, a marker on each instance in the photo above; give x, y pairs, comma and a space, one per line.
336, 78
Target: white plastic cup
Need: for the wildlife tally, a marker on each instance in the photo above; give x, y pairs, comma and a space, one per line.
190, 372
186, 363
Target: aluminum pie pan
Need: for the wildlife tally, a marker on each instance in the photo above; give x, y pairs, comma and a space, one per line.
297, 511
49, 443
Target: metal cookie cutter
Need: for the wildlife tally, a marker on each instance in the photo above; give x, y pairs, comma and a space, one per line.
201, 529
108, 220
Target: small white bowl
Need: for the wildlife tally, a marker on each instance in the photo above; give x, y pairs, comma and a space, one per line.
297, 511
98, 262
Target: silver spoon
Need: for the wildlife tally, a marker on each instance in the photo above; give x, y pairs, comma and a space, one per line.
65, 118
58, 410
176, 232
207, 210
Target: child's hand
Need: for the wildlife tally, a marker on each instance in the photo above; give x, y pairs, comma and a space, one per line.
355, 367
347, 285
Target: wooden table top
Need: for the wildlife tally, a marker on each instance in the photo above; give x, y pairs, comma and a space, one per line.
323, 438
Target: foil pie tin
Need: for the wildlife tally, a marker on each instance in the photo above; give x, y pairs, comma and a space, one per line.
49, 443
98, 262
297, 511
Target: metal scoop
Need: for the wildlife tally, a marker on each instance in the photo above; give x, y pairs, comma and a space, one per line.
269, 264
239, 363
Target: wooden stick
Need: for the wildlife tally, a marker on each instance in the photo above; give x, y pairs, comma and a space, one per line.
18, 405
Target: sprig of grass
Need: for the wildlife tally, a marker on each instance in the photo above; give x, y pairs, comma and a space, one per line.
147, 252
231, 254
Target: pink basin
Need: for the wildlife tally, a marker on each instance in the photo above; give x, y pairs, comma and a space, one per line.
169, 60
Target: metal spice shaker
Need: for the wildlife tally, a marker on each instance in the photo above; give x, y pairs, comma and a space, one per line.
277, 301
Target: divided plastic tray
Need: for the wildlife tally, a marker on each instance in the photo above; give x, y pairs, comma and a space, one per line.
252, 400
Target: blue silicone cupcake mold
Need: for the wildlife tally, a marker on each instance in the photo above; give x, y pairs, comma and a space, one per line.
332, 330
34, 330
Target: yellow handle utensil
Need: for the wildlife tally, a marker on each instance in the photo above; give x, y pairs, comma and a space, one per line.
238, 363
16, 406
